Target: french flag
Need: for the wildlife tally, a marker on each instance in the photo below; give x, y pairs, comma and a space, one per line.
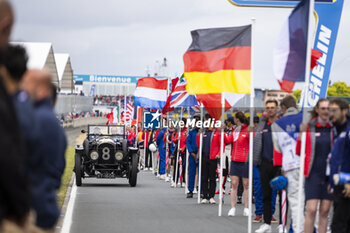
290, 53
151, 92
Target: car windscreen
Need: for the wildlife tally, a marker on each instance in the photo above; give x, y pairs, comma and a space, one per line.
117, 130
98, 129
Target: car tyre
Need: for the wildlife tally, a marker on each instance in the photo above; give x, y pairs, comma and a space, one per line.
133, 170
78, 171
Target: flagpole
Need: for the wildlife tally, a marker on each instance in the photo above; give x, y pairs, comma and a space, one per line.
200, 159
252, 93
221, 153
137, 118
305, 115
178, 151
167, 156
187, 154
119, 110
130, 116
124, 115
158, 157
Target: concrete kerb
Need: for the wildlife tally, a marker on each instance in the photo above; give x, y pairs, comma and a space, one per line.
65, 205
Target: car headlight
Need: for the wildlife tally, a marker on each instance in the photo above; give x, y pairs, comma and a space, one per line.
119, 155
94, 155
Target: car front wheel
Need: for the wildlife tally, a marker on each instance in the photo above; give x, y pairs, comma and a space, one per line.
78, 169
133, 170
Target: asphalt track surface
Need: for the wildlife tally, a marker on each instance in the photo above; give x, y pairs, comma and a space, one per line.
110, 206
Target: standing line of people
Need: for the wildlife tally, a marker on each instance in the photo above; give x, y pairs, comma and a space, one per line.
34, 144
276, 150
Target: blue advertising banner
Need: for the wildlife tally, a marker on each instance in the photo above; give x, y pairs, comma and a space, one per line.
106, 78
327, 23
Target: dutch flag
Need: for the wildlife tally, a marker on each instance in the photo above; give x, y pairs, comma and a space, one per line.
151, 92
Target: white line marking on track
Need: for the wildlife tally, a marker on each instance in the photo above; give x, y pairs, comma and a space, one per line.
67, 221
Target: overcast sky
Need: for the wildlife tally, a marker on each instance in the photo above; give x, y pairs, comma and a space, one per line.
120, 37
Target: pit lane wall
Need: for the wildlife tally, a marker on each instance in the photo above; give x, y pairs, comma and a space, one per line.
76, 104
73, 104
76, 123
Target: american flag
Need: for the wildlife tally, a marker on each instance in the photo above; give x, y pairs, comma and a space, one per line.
128, 115
180, 97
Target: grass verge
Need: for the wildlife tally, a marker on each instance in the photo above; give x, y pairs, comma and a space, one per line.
67, 175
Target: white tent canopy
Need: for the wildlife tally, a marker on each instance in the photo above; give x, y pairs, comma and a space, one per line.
65, 72
41, 56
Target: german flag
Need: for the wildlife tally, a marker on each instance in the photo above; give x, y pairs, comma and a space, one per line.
219, 60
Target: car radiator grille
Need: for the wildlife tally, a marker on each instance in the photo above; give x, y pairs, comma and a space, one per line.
106, 152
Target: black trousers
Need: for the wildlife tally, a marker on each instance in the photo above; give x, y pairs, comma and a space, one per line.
208, 176
148, 158
183, 157
341, 216
267, 172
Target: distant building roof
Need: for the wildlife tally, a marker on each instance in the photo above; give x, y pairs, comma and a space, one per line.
65, 72
41, 56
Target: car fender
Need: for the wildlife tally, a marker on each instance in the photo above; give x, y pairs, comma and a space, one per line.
79, 150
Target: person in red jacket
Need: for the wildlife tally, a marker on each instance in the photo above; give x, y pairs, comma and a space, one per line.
319, 138
210, 154
182, 155
239, 161
132, 135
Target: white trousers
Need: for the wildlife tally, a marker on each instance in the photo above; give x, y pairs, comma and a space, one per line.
293, 202
142, 157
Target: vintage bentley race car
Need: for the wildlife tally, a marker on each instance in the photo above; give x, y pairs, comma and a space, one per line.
105, 154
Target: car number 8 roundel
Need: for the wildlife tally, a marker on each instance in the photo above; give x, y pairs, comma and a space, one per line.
105, 153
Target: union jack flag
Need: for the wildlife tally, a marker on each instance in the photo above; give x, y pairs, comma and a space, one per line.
180, 97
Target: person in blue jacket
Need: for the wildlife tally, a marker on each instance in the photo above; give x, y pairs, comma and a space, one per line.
191, 142
162, 150
14, 186
340, 162
46, 164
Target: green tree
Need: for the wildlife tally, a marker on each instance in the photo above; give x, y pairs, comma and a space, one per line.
297, 94
338, 89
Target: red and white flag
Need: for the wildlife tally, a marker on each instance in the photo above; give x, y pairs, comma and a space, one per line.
129, 114
212, 102
284, 208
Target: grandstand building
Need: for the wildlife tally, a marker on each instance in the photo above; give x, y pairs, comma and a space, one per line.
92, 85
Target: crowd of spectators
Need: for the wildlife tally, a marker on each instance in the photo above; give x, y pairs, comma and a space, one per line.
110, 100
72, 116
